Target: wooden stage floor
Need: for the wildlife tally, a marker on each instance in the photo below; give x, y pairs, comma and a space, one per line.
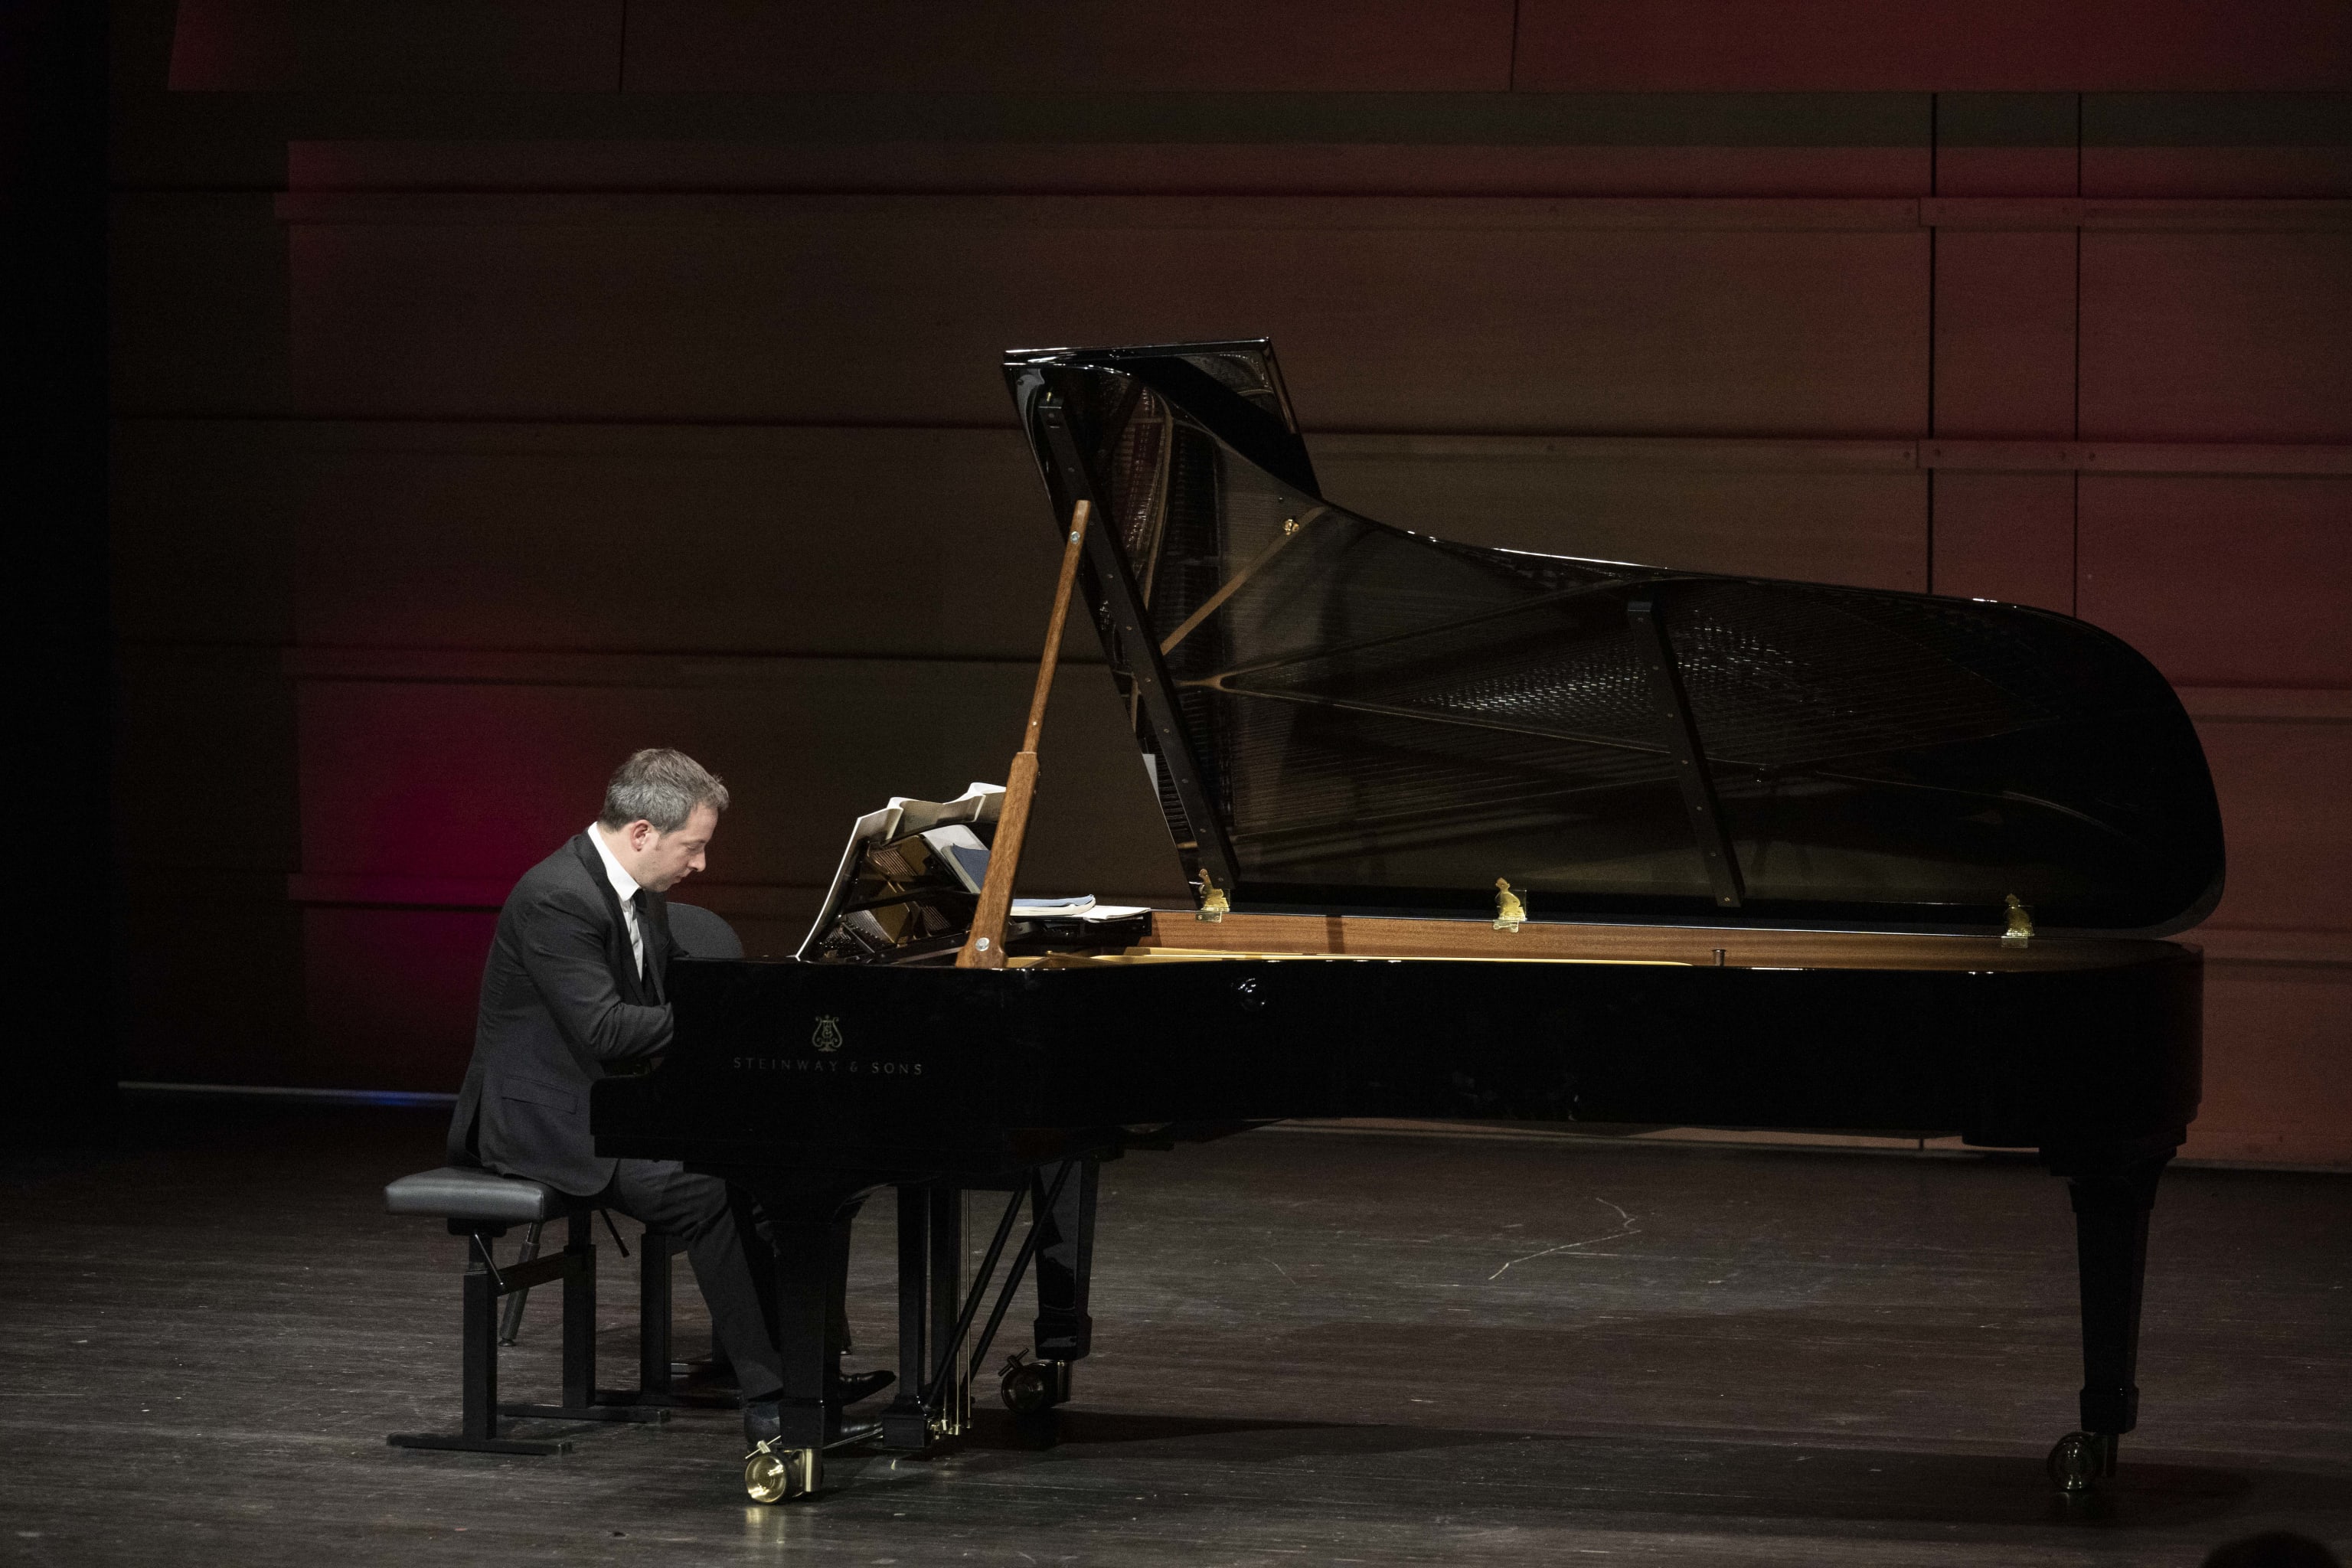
1310, 1347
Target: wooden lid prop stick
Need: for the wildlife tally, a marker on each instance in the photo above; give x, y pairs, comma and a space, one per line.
985, 948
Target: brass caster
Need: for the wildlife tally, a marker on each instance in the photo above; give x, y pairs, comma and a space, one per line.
1024, 1385
778, 1475
2080, 1461
1031, 1387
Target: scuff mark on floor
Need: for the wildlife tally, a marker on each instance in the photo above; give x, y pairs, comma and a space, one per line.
1625, 1227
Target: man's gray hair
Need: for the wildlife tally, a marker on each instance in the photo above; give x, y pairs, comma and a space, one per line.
663, 787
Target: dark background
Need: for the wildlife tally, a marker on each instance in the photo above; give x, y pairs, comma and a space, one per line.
60, 1058
501, 386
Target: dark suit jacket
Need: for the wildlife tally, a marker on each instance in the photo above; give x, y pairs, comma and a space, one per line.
561, 1001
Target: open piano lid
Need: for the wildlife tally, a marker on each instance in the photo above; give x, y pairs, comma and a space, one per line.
1344, 717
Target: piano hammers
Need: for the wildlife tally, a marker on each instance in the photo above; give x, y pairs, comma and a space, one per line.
985, 948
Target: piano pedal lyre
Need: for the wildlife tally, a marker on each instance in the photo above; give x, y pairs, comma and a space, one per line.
1510, 913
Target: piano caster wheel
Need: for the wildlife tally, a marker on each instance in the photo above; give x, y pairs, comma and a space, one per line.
2080, 1461
778, 1475
1035, 1391
1030, 1386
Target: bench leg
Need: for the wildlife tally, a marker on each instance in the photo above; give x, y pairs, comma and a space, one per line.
581, 1400
481, 1351
478, 1432
580, 1315
485, 1285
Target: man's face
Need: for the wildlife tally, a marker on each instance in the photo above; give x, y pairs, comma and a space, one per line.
666, 859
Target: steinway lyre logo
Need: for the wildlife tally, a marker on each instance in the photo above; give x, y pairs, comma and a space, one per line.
828, 1033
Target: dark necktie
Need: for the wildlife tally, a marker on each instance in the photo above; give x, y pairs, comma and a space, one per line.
639, 902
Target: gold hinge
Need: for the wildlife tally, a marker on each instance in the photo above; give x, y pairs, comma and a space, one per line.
2020, 924
1510, 914
1213, 906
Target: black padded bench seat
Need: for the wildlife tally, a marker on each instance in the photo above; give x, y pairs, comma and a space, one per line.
456, 1192
480, 1206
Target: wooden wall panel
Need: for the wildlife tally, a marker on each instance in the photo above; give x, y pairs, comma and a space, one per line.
1325, 167
2005, 334
2008, 143
2278, 1069
1127, 45
2006, 536
1419, 316
398, 46
903, 542
715, 45
2272, 173
1325, 45
907, 543
2217, 337
1867, 528
2149, 45
2008, 171
2222, 581
478, 767
592, 538
2241, 145
390, 996
2282, 787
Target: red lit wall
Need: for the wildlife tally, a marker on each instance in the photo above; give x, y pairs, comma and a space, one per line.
505, 385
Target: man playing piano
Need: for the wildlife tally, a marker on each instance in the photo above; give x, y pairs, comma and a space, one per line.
574, 990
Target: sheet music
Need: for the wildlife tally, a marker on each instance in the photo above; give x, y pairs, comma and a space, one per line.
980, 804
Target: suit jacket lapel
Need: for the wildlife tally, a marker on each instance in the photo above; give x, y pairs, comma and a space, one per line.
618, 957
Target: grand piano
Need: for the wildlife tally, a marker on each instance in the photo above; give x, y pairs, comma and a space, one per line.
1474, 834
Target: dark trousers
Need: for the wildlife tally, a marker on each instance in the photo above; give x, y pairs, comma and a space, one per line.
730, 1258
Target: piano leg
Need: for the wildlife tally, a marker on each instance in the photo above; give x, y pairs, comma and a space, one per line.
1064, 1329
1065, 1259
809, 1237
2113, 1188
905, 1425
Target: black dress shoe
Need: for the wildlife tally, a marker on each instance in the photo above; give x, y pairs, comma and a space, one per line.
764, 1421
857, 1386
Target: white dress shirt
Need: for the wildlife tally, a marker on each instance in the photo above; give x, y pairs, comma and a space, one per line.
627, 887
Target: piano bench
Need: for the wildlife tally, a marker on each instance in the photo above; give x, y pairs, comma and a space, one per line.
479, 1206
